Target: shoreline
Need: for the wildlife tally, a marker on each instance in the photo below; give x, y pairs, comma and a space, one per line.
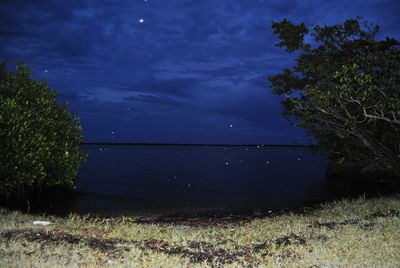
358, 232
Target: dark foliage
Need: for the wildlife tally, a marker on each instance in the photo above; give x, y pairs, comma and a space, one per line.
345, 90
39, 138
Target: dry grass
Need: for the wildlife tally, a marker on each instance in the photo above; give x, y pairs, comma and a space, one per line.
359, 233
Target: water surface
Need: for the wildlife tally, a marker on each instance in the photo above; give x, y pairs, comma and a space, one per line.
133, 179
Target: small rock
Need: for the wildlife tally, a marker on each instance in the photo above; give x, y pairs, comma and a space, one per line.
110, 262
182, 228
44, 223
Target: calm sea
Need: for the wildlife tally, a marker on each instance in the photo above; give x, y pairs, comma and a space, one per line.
133, 179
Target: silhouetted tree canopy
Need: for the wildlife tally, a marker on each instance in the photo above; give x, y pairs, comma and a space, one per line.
345, 90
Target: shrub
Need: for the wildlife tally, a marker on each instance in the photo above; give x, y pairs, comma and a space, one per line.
39, 138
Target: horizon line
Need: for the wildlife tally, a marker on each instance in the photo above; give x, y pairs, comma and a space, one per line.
197, 144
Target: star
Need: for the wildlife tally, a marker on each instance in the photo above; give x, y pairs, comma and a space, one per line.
141, 20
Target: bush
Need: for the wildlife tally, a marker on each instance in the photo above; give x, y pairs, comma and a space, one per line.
39, 138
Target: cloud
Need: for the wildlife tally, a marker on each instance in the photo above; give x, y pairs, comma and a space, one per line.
177, 87
189, 71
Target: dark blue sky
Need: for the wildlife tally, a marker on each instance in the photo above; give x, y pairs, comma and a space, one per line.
169, 70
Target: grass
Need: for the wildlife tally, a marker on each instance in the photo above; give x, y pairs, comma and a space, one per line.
362, 232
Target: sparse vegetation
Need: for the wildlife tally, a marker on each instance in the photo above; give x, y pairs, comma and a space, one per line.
362, 232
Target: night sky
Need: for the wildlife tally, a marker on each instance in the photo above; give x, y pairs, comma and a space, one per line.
170, 71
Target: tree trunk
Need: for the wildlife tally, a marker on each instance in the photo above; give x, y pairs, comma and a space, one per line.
389, 158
